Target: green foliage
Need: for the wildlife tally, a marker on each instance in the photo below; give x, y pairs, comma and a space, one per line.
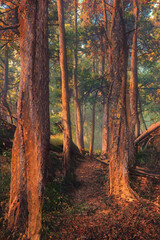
149, 88
143, 157
5, 176
148, 156
55, 203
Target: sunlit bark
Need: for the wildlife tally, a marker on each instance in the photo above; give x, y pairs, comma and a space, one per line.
135, 123
105, 109
151, 129
118, 123
67, 136
105, 130
78, 112
31, 143
5, 87
92, 130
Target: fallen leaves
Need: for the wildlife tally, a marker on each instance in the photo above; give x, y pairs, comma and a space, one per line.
94, 215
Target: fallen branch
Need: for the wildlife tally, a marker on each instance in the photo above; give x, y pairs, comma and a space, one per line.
150, 130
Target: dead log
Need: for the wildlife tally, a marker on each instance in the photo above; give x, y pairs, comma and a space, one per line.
150, 130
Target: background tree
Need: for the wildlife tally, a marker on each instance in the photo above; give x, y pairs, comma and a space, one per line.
78, 110
67, 136
135, 128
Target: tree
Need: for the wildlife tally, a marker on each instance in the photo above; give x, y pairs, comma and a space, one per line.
118, 122
67, 136
135, 123
93, 126
31, 142
78, 111
5, 84
105, 110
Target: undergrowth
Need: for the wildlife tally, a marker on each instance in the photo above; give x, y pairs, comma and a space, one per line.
57, 204
5, 175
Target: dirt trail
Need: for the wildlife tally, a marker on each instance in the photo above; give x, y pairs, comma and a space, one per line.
99, 217
93, 215
92, 176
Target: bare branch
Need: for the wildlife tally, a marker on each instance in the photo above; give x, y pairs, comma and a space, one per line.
9, 27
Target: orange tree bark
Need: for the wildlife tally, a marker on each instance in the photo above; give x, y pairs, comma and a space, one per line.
5, 87
105, 129
118, 124
31, 142
67, 136
5, 84
105, 109
78, 112
135, 123
150, 130
92, 129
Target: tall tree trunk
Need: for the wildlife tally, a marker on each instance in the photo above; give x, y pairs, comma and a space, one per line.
118, 124
92, 130
105, 128
135, 123
105, 115
31, 142
67, 136
5, 85
77, 106
105, 109
105, 17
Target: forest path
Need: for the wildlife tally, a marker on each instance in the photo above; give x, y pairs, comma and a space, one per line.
95, 216
93, 178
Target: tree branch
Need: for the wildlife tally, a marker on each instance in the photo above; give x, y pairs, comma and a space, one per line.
9, 27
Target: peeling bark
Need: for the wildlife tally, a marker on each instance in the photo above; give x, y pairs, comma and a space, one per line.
31, 142
118, 121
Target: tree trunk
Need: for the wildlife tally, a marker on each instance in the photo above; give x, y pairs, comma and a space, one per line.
77, 106
105, 109
5, 87
105, 128
31, 142
67, 136
135, 123
105, 17
92, 130
5, 84
118, 124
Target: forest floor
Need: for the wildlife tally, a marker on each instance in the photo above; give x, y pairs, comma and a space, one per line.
86, 211
94, 215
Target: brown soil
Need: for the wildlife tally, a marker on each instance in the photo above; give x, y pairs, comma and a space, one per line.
93, 215
97, 216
